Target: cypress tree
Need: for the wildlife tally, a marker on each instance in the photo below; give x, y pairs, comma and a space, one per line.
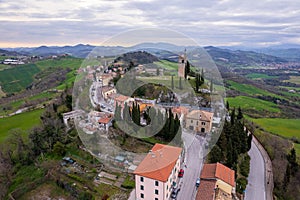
172, 82
180, 84
188, 67
229, 156
232, 117
249, 140
227, 105
240, 114
202, 76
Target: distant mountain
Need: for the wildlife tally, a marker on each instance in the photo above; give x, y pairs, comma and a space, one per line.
9, 53
290, 54
79, 50
166, 51
241, 58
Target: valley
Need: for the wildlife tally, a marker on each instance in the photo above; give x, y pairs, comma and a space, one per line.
265, 87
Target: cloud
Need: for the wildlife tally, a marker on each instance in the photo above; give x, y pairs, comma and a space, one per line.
211, 22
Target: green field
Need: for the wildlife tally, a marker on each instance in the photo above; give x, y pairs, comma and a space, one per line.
247, 103
24, 121
285, 127
68, 62
259, 76
248, 89
17, 78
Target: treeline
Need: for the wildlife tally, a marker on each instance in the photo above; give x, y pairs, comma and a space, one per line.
232, 147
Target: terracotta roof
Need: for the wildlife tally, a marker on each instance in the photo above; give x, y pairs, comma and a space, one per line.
105, 118
121, 98
206, 190
219, 171
159, 163
200, 114
180, 110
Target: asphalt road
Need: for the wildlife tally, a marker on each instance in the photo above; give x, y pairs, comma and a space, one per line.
194, 162
256, 181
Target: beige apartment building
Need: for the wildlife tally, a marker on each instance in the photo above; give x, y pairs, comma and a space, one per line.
158, 173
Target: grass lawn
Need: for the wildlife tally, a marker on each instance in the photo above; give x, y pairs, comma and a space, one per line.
167, 65
23, 121
285, 127
248, 89
166, 81
252, 103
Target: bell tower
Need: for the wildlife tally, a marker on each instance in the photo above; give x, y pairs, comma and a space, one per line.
181, 64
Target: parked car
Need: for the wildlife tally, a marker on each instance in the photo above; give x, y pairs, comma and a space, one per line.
181, 172
175, 193
198, 182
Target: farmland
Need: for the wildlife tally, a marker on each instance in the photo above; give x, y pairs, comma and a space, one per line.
259, 76
17, 78
287, 128
248, 89
24, 121
247, 103
294, 79
68, 62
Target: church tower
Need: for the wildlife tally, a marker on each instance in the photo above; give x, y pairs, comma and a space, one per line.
181, 64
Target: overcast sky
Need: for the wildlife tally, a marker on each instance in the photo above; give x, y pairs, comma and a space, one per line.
209, 22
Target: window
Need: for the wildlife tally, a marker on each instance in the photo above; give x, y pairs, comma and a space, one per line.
156, 183
142, 195
156, 198
167, 187
142, 187
142, 179
191, 121
203, 123
156, 191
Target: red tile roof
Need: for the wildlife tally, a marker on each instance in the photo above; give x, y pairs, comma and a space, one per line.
159, 163
219, 171
206, 190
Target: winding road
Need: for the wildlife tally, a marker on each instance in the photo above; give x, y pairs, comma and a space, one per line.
256, 181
